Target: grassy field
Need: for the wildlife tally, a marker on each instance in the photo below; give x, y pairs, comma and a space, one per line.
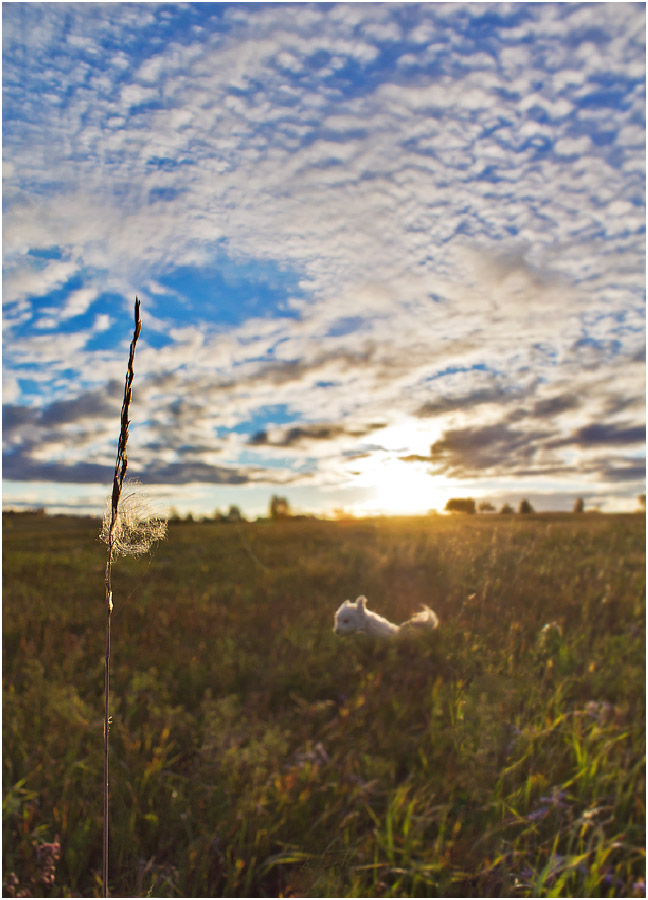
255, 753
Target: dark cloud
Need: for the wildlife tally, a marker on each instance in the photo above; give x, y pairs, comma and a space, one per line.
185, 411
95, 404
19, 466
601, 434
541, 409
598, 434
518, 453
17, 417
301, 434
618, 403
445, 404
544, 409
622, 470
552, 406
185, 473
464, 451
259, 439
280, 372
614, 470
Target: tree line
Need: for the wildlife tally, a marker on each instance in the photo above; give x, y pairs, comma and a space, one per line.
469, 506
278, 509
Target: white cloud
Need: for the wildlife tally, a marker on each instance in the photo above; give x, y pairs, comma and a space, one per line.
29, 279
45, 322
573, 146
102, 322
78, 302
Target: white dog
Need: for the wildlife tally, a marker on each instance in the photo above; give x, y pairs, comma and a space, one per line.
352, 617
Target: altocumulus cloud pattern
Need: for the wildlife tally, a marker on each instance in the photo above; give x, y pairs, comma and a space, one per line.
372, 242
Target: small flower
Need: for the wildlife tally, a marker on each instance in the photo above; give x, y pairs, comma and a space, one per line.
556, 799
613, 881
537, 814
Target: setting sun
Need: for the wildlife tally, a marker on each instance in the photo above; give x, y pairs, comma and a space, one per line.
399, 487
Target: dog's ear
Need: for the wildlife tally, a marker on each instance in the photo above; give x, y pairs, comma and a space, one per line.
361, 602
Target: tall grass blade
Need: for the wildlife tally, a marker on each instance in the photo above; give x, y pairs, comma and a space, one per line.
121, 464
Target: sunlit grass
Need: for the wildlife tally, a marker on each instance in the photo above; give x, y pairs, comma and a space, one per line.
255, 753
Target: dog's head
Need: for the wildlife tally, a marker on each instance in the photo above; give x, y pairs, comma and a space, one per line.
351, 616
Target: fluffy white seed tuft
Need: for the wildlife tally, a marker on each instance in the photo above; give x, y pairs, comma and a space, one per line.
138, 525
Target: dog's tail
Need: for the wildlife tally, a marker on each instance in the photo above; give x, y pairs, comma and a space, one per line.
426, 619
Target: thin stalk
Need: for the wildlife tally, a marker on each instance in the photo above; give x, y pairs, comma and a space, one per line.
121, 465
106, 723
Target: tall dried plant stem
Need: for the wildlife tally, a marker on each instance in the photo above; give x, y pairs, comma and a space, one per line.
120, 471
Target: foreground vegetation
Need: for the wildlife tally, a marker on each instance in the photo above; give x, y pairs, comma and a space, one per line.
255, 753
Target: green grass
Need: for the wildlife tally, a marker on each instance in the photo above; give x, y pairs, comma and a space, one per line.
255, 753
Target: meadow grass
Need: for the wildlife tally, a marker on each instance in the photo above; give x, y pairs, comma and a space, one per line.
255, 753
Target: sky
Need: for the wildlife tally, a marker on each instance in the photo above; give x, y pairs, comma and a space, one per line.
387, 254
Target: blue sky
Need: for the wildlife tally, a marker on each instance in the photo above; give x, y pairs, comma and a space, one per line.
387, 254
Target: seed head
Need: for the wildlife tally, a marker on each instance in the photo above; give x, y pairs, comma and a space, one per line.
138, 524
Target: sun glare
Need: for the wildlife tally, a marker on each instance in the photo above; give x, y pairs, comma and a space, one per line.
404, 488
400, 488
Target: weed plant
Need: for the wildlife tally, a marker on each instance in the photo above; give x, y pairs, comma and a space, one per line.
128, 529
255, 753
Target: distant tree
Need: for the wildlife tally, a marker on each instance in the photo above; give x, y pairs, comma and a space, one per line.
279, 508
486, 507
189, 517
579, 505
507, 510
525, 507
460, 504
234, 514
642, 500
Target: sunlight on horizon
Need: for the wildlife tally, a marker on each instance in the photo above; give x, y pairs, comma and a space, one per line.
397, 486
400, 488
